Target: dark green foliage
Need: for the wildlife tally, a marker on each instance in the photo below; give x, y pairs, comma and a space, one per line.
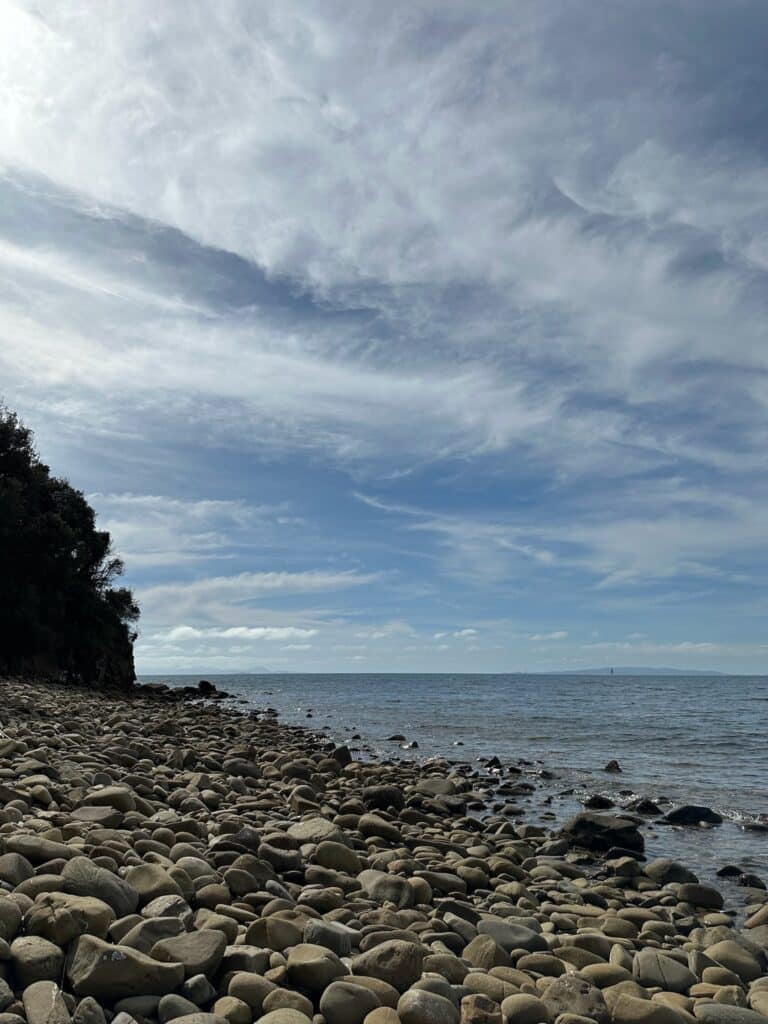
60, 614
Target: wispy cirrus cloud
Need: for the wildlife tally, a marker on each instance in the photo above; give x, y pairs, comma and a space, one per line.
235, 633
505, 274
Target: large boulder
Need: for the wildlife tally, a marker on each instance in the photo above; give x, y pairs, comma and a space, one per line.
200, 952
663, 870
693, 814
700, 895
420, 1007
44, 1004
570, 994
61, 917
82, 877
314, 967
342, 1003
395, 961
35, 959
316, 830
602, 832
512, 936
384, 887
109, 973
655, 970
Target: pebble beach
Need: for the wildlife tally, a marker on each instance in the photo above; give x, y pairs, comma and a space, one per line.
165, 857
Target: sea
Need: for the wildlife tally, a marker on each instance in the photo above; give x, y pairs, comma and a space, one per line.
683, 739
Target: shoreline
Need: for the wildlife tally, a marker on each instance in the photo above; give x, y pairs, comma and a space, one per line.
561, 789
165, 856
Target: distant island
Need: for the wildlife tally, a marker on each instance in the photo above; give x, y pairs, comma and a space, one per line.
641, 670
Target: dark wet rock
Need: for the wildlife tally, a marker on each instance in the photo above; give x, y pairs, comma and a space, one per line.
601, 832
663, 870
643, 805
700, 895
750, 881
693, 814
598, 802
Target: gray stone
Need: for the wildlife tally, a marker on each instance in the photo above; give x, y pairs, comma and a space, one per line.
88, 1011
395, 961
147, 933
420, 1007
512, 936
285, 1016
314, 967
570, 994
10, 919
110, 972
601, 832
720, 1013
200, 952
62, 917
35, 959
172, 1006
316, 830
44, 1004
663, 870
345, 1003
652, 968
700, 895
330, 934
82, 877
383, 887
523, 1008
198, 990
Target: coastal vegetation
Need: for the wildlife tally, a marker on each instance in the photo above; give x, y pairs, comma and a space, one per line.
61, 614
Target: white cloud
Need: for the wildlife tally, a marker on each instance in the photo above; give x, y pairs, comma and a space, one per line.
156, 530
388, 629
224, 598
183, 633
409, 239
565, 227
660, 532
650, 647
557, 634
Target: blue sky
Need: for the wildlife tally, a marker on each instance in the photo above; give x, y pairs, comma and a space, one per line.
413, 337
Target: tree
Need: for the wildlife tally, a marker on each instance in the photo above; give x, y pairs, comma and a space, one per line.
60, 613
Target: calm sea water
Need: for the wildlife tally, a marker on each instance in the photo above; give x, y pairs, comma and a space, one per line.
690, 739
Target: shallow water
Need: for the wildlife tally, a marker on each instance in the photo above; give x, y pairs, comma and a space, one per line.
690, 739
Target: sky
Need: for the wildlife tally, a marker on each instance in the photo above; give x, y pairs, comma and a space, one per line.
417, 336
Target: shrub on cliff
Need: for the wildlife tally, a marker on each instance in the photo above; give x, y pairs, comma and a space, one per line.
60, 614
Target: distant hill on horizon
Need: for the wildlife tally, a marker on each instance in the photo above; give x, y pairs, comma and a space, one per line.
642, 670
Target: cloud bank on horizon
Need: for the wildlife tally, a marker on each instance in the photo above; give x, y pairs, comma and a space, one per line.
410, 337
